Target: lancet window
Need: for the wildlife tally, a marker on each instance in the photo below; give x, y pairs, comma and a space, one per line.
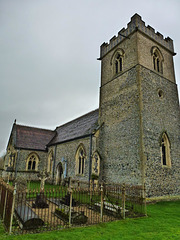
165, 151
80, 160
157, 60
117, 61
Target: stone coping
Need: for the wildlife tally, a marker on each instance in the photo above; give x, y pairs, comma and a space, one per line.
163, 198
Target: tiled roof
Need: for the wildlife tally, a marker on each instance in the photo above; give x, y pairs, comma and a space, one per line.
33, 138
79, 127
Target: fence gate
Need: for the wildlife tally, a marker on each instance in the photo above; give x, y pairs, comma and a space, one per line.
6, 204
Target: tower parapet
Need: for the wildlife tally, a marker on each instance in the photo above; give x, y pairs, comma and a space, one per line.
136, 24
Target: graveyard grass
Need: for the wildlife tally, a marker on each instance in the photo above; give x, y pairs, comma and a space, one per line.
162, 223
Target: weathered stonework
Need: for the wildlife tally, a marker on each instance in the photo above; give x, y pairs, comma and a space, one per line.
137, 106
65, 153
137, 133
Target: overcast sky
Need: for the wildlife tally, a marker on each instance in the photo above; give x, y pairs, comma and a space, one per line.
49, 73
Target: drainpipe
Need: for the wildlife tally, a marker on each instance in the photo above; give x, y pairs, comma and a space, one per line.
54, 161
90, 157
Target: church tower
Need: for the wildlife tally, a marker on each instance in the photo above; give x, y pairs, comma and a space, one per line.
139, 110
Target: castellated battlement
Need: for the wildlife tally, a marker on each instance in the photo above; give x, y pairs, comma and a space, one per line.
135, 24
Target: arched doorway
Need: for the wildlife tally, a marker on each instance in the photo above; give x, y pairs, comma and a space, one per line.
59, 173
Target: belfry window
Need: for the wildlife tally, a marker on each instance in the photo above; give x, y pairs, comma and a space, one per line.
80, 160
117, 61
118, 64
157, 60
165, 151
32, 162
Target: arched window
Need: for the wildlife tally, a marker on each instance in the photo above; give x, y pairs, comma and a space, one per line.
165, 151
80, 160
95, 164
157, 59
32, 162
11, 160
117, 61
59, 173
50, 162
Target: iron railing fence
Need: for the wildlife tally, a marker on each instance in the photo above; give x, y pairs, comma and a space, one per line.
6, 204
80, 203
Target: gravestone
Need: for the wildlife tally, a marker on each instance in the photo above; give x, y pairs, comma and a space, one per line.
66, 200
40, 201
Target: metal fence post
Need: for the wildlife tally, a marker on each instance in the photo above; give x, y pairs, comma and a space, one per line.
123, 201
70, 204
102, 203
12, 209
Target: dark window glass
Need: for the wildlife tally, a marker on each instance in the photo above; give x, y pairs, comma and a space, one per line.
164, 154
79, 165
83, 165
116, 65
29, 165
154, 61
120, 64
34, 165
158, 64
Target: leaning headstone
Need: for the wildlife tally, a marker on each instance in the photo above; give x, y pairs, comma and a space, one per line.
66, 200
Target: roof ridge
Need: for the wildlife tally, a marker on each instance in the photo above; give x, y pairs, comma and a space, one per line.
19, 125
78, 118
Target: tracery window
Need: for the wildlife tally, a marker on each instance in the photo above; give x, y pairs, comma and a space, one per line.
157, 59
80, 160
165, 151
118, 64
32, 162
50, 162
117, 61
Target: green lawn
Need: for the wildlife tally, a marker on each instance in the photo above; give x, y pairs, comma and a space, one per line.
163, 222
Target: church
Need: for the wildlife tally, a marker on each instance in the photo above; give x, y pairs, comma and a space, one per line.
133, 137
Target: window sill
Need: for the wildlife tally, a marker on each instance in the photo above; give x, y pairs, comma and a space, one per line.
166, 166
80, 175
